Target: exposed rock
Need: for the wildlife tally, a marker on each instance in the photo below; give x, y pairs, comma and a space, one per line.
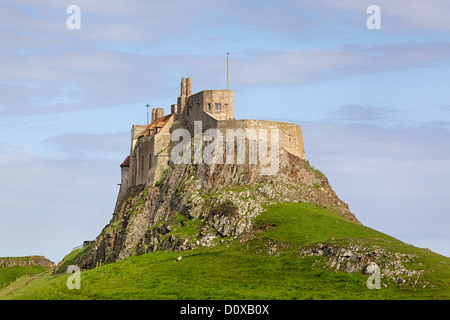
366, 259
370, 268
26, 261
198, 205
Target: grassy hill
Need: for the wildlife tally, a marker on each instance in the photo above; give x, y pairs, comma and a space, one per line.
281, 259
16, 269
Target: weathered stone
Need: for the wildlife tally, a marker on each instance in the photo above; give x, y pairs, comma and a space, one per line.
26, 261
370, 268
366, 259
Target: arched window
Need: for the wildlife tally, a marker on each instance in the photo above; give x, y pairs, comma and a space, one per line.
150, 160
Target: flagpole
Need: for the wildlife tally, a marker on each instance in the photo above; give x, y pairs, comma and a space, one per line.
228, 73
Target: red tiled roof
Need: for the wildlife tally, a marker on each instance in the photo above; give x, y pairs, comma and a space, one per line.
126, 162
151, 128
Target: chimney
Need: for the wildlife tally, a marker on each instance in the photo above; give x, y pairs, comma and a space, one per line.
189, 86
153, 114
173, 108
183, 86
159, 113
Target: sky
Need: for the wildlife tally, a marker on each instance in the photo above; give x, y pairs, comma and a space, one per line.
373, 104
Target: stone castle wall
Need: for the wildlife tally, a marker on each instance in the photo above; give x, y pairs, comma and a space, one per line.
214, 109
290, 135
151, 159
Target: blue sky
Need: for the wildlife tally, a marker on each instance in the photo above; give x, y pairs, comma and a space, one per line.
374, 105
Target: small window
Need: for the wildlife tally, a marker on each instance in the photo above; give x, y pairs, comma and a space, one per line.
218, 106
150, 161
209, 106
142, 162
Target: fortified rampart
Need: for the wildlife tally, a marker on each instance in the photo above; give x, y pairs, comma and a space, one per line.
290, 136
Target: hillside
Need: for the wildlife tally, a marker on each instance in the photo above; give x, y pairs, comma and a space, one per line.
16, 269
293, 251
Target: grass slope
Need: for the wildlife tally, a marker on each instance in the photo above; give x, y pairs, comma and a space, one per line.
9, 275
245, 270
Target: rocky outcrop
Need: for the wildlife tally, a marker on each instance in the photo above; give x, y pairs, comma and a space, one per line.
366, 259
26, 261
200, 205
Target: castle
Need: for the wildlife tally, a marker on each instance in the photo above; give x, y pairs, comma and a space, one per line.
214, 109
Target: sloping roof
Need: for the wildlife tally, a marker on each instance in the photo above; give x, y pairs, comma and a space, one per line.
126, 162
151, 128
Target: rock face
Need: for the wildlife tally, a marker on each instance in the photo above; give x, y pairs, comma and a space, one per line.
199, 205
26, 261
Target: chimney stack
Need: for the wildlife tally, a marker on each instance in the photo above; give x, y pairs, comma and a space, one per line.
183, 86
174, 108
159, 113
189, 86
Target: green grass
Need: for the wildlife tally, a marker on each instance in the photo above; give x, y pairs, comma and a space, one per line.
244, 270
10, 274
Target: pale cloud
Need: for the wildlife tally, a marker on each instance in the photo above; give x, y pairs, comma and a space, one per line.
423, 142
112, 60
398, 15
50, 206
315, 65
106, 21
84, 146
363, 113
445, 108
396, 180
82, 79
